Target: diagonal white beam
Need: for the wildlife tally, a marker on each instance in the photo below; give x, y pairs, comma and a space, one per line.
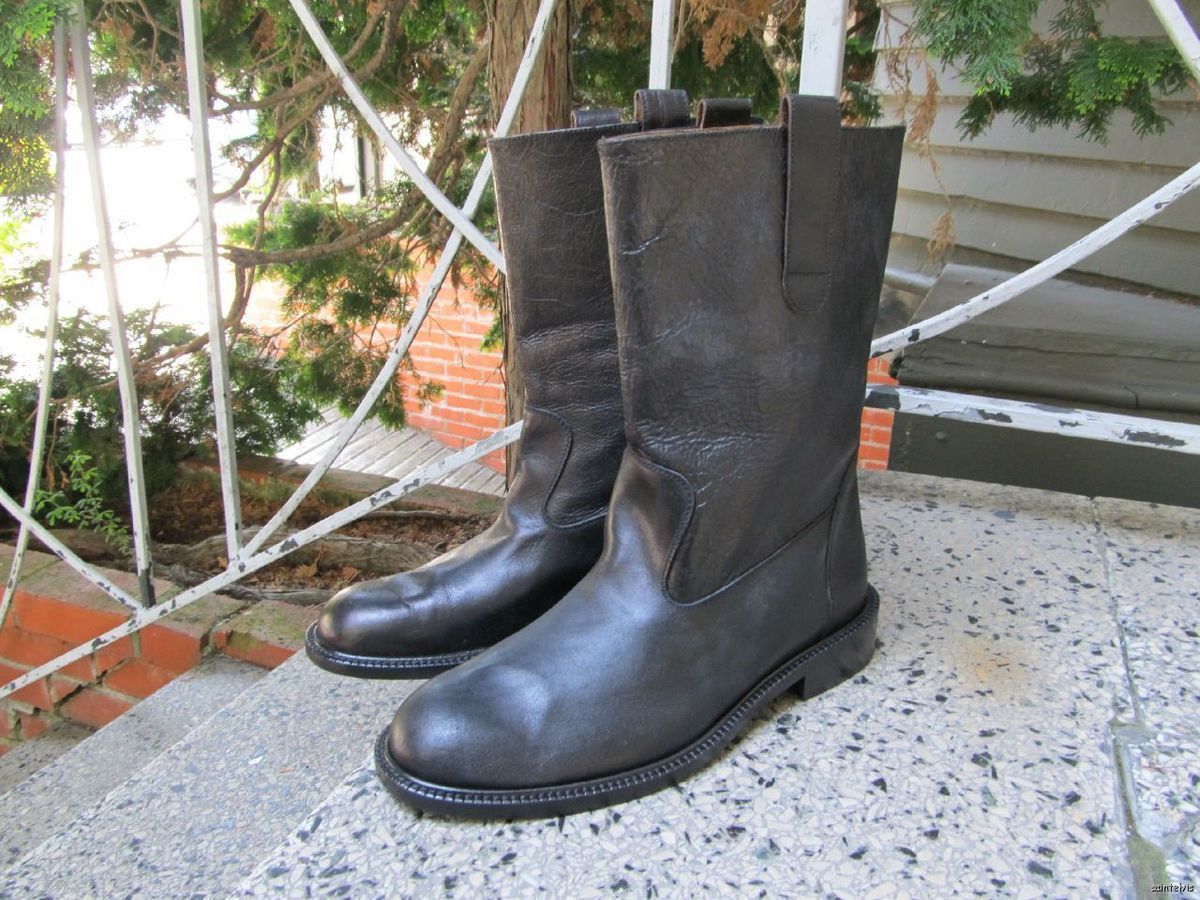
1061, 261
193, 51
1180, 31
508, 114
63, 552
427, 474
407, 164
126, 386
42, 417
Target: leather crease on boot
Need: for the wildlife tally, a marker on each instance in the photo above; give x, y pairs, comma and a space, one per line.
747, 263
550, 531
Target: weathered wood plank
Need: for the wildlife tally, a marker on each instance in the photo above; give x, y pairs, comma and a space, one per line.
367, 449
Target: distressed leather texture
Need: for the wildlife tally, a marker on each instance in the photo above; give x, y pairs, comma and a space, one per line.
733, 540
550, 531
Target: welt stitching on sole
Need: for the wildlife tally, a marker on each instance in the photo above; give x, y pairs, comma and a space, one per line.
369, 662
715, 740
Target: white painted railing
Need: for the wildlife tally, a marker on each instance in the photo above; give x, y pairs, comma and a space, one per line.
820, 74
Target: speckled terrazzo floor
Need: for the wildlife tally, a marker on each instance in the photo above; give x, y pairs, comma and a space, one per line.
1028, 728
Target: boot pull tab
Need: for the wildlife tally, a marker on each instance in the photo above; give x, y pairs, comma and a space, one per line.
661, 109
721, 112
595, 118
814, 134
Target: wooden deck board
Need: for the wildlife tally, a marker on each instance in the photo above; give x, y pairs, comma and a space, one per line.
369, 449
367, 433
381, 451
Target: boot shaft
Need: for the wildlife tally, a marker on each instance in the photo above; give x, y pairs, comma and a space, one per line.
747, 264
550, 201
551, 210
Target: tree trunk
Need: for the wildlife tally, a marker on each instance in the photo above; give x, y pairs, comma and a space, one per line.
546, 104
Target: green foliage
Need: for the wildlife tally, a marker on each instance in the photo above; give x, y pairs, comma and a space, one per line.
175, 398
11, 239
987, 35
18, 400
22, 279
81, 503
1073, 75
358, 287
345, 306
607, 74
26, 114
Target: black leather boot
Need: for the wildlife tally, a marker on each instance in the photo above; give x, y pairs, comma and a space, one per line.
747, 264
551, 530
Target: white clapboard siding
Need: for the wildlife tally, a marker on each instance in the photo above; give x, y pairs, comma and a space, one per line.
1046, 182
1139, 257
1024, 194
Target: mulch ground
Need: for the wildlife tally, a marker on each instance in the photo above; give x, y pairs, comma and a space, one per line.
191, 510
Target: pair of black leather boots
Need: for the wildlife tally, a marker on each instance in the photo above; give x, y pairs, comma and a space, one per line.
693, 302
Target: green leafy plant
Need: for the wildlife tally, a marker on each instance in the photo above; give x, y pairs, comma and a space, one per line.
81, 503
25, 113
176, 406
345, 306
1073, 75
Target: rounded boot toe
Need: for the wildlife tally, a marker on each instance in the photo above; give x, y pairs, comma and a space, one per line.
467, 728
434, 737
367, 619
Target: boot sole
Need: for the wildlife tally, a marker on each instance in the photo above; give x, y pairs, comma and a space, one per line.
397, 667
811, 672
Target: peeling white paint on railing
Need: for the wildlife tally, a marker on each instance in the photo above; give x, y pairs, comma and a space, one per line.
1158, 434
42, 416
407, 164
1175, 22
427, 474
1043, 271
662, 26
197, 89
824, 47
533, 48
126, 384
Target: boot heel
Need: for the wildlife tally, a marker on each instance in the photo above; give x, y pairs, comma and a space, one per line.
843, 654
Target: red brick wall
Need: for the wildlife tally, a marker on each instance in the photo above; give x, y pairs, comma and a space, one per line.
472, 407
876, 436
447, 351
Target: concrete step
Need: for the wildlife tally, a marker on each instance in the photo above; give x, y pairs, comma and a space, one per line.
201, 815
30, 756
970, 757
53, 796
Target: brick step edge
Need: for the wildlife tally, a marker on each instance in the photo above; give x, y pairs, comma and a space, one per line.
54, 609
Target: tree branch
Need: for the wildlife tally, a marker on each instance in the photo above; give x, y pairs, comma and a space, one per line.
321, 78
439, 160
452, 123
